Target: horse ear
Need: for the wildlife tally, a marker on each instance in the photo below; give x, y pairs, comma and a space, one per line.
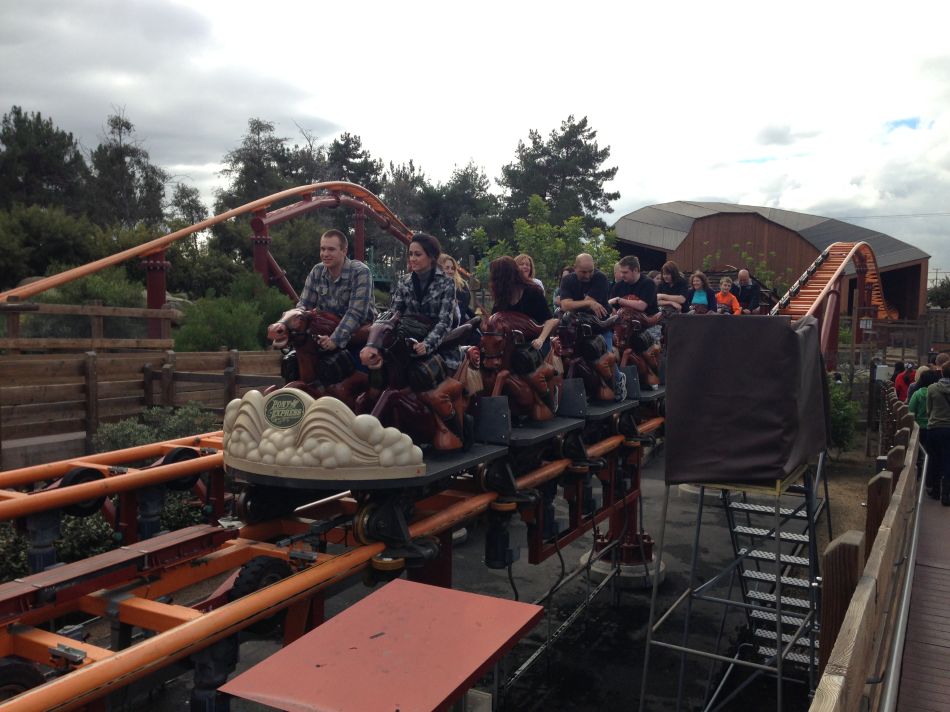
586, 331
518, 336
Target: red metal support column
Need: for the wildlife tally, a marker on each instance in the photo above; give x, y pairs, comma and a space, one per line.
359, 238
261, 242
829, 327
155, 267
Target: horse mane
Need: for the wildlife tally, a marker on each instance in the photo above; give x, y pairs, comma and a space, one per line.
501, 321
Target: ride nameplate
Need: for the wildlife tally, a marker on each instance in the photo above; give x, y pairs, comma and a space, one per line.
288, 433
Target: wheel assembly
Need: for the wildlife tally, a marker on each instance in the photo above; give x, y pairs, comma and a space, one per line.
77, 476
256, 574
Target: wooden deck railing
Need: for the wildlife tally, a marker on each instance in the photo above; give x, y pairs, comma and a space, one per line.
51, 396
13, 311
863, 574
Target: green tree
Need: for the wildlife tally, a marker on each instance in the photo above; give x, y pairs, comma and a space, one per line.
939, 294
551, 246
39, 163
566, 170
127, 188
32, 237
455, 209
259, 167
348, 160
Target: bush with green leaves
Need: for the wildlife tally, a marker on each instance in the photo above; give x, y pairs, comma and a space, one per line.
238, 321
110, 287
843, 415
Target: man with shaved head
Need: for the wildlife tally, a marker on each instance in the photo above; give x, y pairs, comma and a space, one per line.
587, 289
747, 292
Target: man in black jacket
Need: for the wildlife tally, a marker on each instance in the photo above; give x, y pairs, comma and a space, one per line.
747, 291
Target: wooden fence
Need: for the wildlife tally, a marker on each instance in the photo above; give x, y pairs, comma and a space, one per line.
51, 406
13, 342
863, 574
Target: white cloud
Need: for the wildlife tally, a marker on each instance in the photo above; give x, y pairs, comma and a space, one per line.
741, 101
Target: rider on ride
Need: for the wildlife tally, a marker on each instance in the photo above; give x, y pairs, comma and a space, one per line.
513, 291
634, 289
339, 285
587, 290
426, 291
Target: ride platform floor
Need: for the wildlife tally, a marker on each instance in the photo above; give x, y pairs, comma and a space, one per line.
925, 670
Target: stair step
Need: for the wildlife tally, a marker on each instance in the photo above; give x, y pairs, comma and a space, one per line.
769, 635
767, 509
770, 578
787, 601
799, 658
766, 533
769, 616
787, 559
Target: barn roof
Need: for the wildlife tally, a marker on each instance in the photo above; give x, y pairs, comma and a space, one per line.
665, 226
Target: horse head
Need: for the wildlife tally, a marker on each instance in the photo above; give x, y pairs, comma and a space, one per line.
628, 326
503, 332
296, 325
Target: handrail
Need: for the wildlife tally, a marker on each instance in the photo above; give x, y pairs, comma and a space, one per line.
892, 672
160, 243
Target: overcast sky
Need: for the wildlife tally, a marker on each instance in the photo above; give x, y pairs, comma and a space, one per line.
832, 108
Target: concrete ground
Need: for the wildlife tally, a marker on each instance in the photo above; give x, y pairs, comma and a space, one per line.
597, 664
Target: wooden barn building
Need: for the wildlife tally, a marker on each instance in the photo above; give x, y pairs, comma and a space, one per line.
688, 232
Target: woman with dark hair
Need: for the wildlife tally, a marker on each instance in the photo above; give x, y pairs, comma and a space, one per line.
426, 291
701, 299
513, 291
672, 291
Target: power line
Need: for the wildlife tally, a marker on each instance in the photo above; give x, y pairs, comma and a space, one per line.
908, 215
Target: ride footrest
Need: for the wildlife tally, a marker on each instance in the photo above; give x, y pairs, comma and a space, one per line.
414, 554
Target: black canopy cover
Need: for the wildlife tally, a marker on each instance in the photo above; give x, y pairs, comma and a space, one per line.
746, 398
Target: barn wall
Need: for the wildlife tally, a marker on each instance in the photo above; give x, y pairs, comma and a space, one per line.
754, 235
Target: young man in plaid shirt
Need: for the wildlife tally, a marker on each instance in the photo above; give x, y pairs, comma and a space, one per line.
339, 285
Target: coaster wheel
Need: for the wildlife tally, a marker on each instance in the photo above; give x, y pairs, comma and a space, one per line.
16, 677
361, 522
78, 476
256, 574
181, 454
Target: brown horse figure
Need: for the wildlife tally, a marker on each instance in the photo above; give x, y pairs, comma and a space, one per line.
512, 367
634, 346
310, 368
414, 393
585, 353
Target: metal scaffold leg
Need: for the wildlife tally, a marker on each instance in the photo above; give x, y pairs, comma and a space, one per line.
776, 567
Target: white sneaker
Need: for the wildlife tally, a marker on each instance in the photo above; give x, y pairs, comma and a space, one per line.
620, 388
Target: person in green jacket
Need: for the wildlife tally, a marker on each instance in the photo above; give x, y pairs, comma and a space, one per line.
918, 407
938, 432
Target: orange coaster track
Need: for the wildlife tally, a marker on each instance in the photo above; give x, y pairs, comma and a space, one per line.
818, 291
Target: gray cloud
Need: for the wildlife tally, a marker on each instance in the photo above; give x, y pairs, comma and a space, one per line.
76, 62
782, 135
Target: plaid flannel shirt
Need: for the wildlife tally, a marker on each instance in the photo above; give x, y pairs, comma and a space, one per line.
438, 304
350, 297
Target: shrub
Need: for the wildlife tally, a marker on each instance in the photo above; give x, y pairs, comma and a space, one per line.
843, 415
212, 323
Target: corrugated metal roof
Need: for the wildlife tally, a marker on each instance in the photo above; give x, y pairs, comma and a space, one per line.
665, 226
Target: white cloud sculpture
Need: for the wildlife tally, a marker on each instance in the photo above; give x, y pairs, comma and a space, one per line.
288, 433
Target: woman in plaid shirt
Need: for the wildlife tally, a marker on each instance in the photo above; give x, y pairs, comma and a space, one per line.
425, 291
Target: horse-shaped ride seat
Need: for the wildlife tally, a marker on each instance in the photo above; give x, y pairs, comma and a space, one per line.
316, 371
415, 393
635, 346
512, 367
585, 354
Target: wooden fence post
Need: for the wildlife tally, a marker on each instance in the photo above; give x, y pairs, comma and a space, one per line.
841, 567
880, 489
148, 394
92, 399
